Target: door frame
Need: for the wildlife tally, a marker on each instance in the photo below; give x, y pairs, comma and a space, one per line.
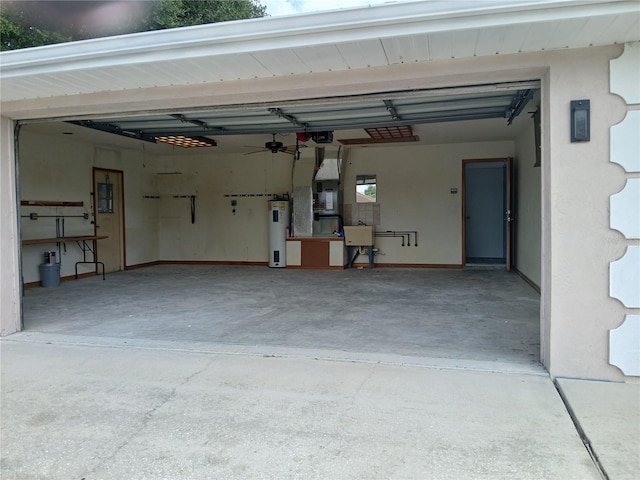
123, 243
509, 206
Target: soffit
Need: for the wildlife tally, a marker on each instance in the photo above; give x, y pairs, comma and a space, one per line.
383, 35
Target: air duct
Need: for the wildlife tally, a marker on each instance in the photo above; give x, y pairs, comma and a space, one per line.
329, 164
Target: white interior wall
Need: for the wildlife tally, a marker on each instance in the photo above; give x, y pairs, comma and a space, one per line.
218, 233
414, 192
527, 206
59, 168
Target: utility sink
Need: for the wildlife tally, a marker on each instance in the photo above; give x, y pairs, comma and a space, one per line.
358, 235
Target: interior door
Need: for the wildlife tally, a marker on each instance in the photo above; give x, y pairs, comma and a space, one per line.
108, 209
487, 222
508, 214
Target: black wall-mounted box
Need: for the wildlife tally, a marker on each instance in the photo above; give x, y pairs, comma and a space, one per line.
580, 121
322, 137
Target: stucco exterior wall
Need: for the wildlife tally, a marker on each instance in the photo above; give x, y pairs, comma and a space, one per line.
581, 181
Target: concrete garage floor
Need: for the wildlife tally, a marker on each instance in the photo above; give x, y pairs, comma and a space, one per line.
473, 314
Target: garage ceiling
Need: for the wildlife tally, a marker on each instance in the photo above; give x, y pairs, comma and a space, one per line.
505, 100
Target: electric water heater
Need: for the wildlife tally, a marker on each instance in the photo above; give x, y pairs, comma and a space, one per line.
278, 228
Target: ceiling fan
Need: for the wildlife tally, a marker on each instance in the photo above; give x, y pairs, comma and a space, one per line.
278, 147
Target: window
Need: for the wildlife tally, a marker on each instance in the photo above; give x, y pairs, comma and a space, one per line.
366, 189
105, 198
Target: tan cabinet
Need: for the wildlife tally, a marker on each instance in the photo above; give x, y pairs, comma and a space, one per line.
316, 253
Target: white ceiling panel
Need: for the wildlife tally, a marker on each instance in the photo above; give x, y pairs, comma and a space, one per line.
363, 54
323, 58
229, 67
597, 30
197, 70
490, 41
465, 43
65, 83
126, 77
185, 72
574, 31
282, 62
441, 45
409, 49
514, 38
536, 37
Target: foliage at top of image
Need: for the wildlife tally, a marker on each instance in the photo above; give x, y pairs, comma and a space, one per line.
25, 24
16, 33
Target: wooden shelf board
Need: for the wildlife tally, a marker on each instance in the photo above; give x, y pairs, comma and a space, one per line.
40, 241
49, 203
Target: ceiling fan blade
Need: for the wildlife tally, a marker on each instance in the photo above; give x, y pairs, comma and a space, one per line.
292, 148
256, 151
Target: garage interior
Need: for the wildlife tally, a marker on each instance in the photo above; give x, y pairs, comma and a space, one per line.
187, 257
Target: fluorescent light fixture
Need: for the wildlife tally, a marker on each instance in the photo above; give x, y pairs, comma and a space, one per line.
187, 142
395, 134
387, 133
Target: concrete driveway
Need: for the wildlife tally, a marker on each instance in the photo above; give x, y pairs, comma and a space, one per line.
76, 407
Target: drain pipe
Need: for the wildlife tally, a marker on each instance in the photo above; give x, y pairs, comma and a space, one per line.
583, 436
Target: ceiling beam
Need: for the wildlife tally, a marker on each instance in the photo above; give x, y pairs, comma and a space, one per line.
366, 141
291, 119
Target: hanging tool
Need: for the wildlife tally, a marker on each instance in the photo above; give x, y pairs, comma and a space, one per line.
192, 201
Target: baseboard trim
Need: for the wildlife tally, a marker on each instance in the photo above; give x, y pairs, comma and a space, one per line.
410, 265
210, 262
300, 267
67, 278
294, 267
80, 275
266, 264
531, 283
141, 265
